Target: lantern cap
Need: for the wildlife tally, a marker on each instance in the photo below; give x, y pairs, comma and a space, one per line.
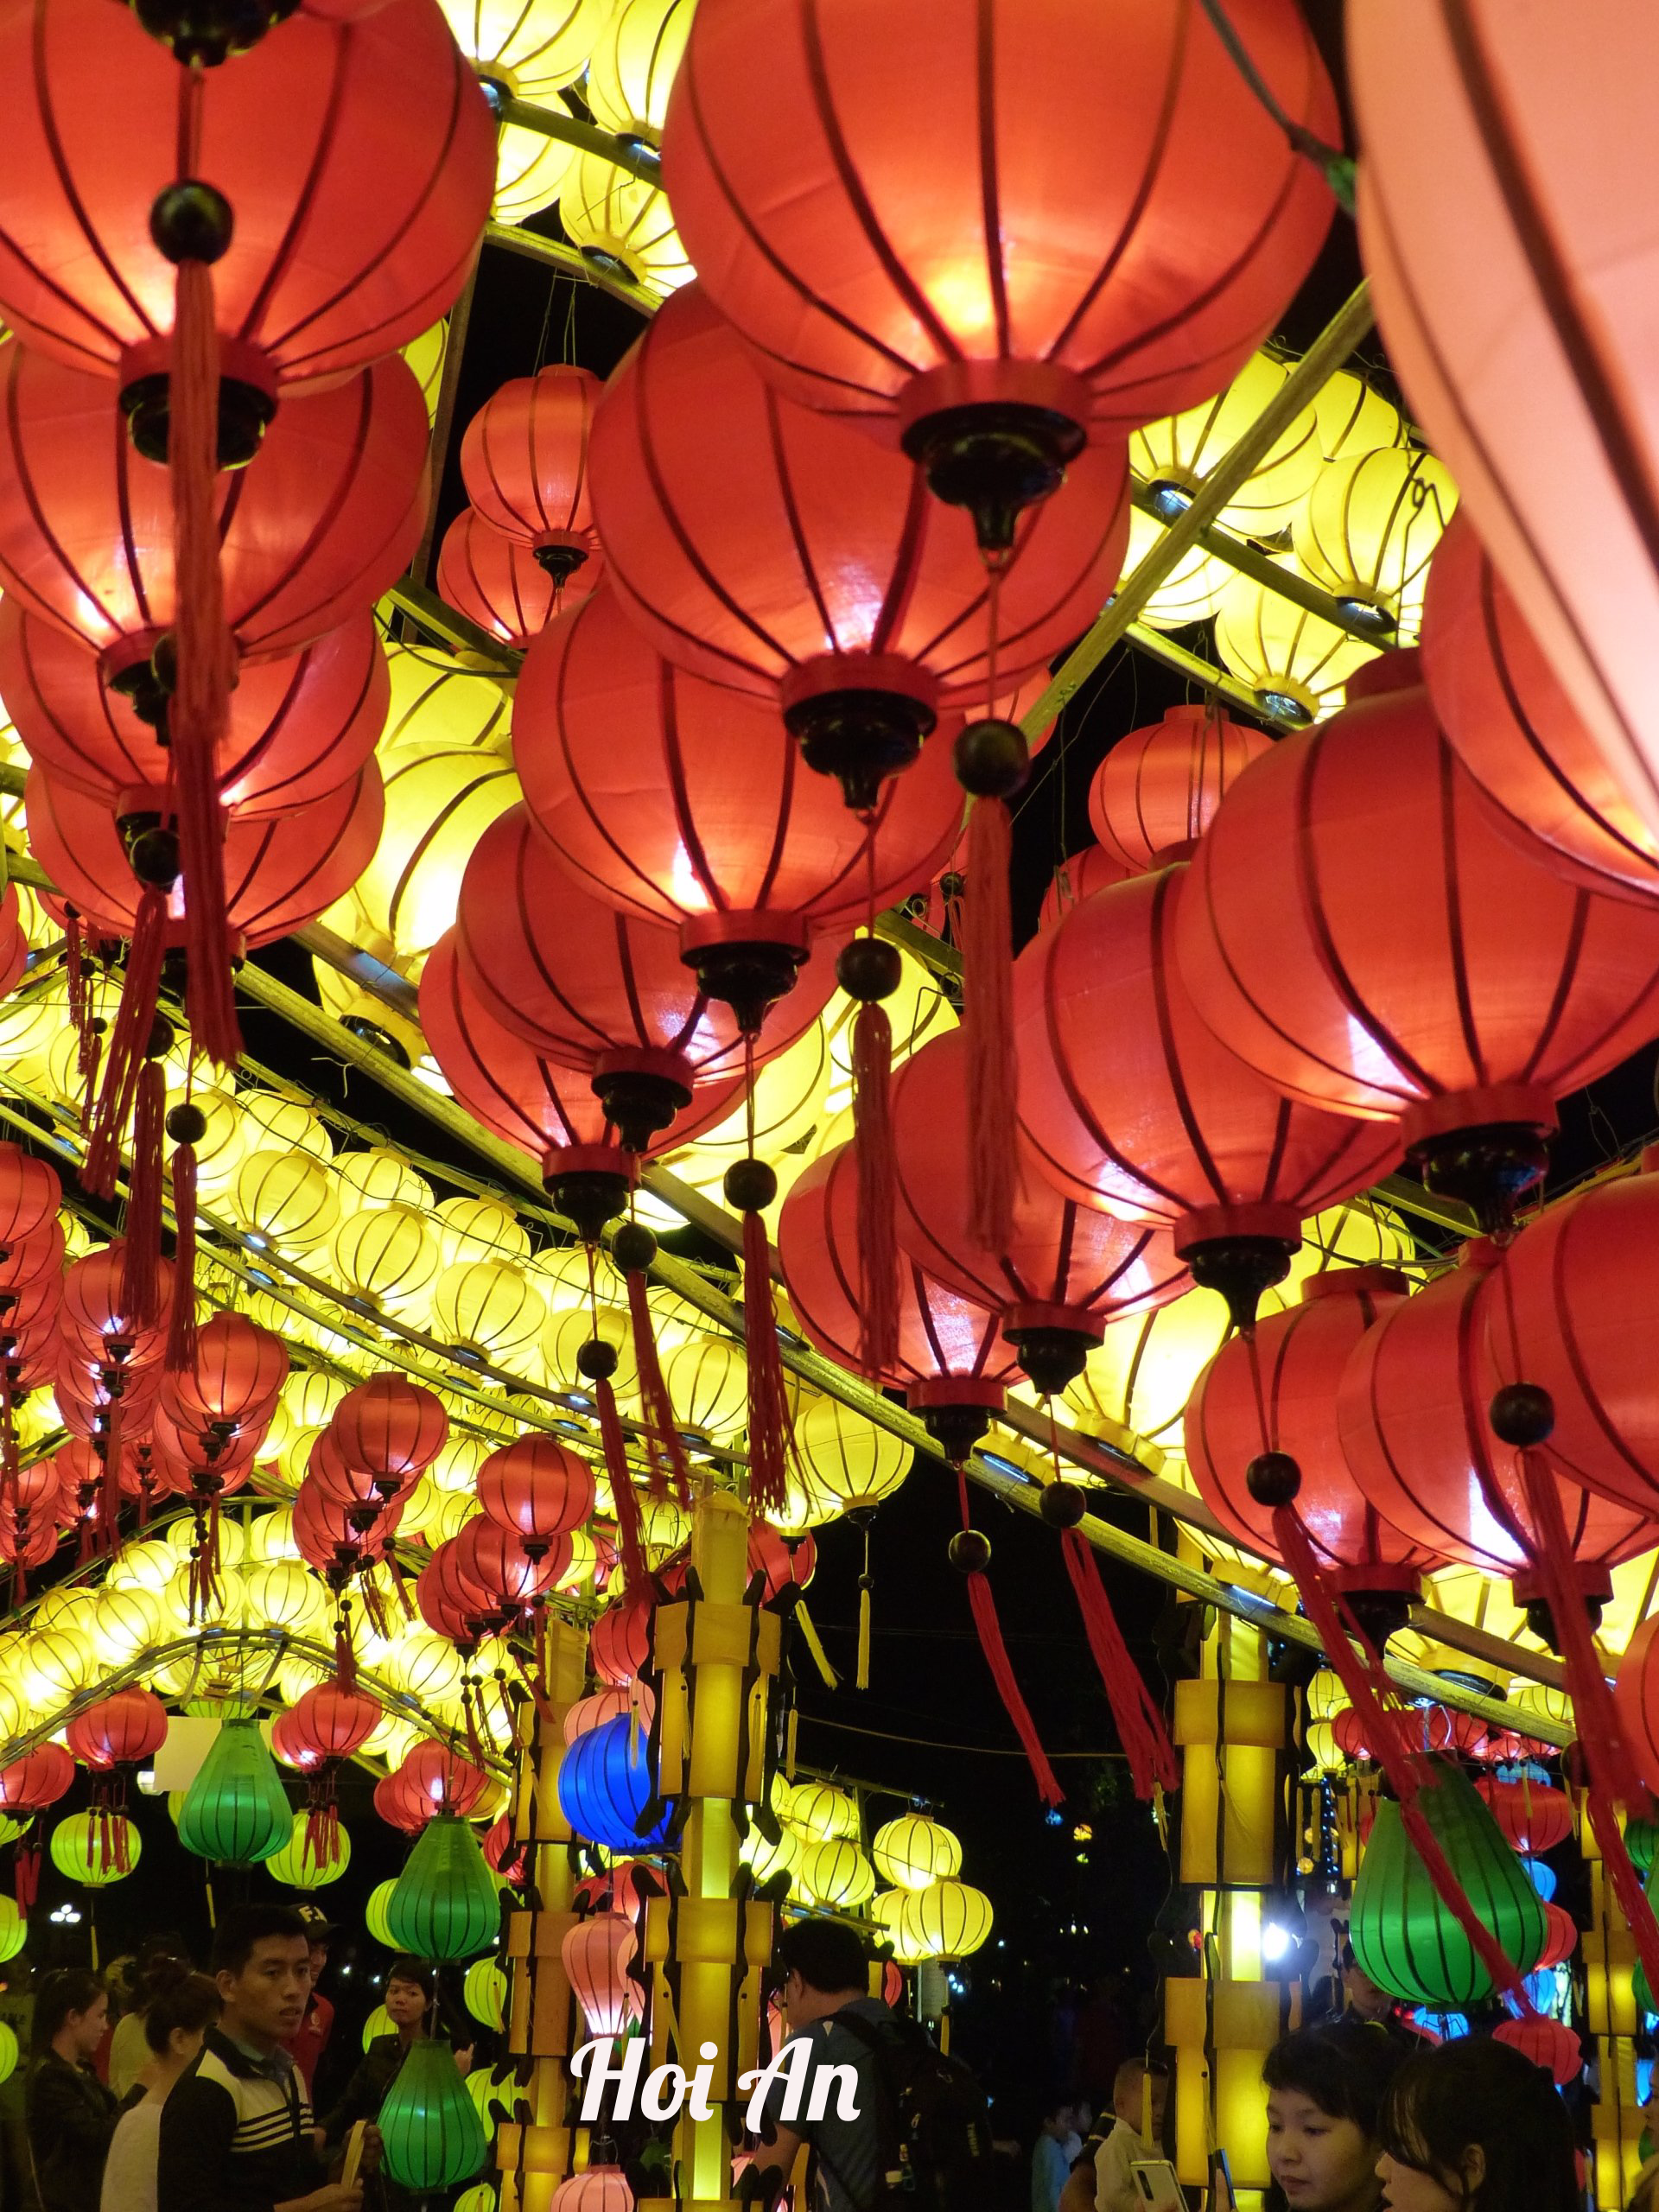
859, 717
994, 437
1487, 1146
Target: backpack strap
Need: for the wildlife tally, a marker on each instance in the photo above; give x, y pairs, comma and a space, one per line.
871, 2035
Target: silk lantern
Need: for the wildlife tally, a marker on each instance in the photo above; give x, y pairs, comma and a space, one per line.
235, 1810
497, 580
524, 463
433, 2135
606, 1790
445, 1904
1155, 793
596, 1954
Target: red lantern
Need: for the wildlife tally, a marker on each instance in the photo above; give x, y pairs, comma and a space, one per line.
1549, 2043
231, 1384
328, 518
524, 463
1348, 1732
536, 1489
501, 1573
1515, 730
618, 1642
335, 1539
401, 1804
30, 1195
1519, 339
676, 802
1067, 1270
1364, 935
1275, 1392
1411, 1410
1534, 1817
299, 728
504, 1851
333, 1723
1075, 880
1128, 1102
1561, 1938
602, 993
391, 1427
447, 1603
38, 1779
497, 582
596, 1954
123, 1729
1156, 792
882, 270
445, 1781
290, 1744
1636, 1692
781, 1562
766, 547
358, 159
95, 1307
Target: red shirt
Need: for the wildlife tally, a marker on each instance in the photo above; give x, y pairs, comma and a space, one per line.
310, 2039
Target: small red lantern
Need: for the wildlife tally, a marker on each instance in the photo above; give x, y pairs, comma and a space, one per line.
781, 1563
618, 1642
502, 1574
497, 582
38, 1779
1156, 792
524, 463
448, 1781
391, 1427
1534, 1817
333, 1723
1561, 1939
123, 1729
30, 1195
1549, 2043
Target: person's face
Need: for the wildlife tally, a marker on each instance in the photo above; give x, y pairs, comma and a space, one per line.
405, 2003
319, 1959
1130, 2108
1322, 2165
87, 2028
1407, 2188
268, 1997
1363, 1996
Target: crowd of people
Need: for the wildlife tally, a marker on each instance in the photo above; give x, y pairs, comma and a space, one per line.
203, 2101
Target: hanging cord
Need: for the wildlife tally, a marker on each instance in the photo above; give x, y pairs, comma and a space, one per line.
970, 1553
634, 1248
869, 970
187, 1125
750, 1187
1333, 165
596, 1364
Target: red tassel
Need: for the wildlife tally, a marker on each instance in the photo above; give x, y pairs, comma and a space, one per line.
635, 1573
664, 1434
771, 1430
200, 711
1627, 1883
1140, 1725
181, 1320
878, 1247
141, 1241
988, 1023
1361, 1674
374, 1606
112, 1450
322, 1829
989, 1630
345, 1658
8, 1468
26, 1876
124, 1058
74, 970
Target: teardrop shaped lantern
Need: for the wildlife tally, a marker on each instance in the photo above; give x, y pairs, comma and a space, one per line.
446, 1904
1403, 1935
236, 1811
430, 2128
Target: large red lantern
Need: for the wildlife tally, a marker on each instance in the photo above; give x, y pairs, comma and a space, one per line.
123, 1729
1515, 730
677, 802
30, 1195
1360, 930
536, 1489
1128, 1100
1411, 1409
766, 547
299, 726
1520, 336
391, 1427
357, 158
602, 993
524, 463
316, 532
1156, 792
38, 1779
1275, 1392
497, 582
881, 265
1067, 1268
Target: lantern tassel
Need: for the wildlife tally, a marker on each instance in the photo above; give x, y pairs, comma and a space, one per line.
124, 1058
878, 1247
635, 1573
982, 1604
814, 1643
113, 1448
866, 1607
988, 1023
140, 1250
1363, 1679
182, 1320
200, 711
26, 1876
771, 1432
1140, 1724
667, 1449
345, 1655
1633, 1900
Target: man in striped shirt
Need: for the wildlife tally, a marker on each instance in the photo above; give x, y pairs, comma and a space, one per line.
236, 2131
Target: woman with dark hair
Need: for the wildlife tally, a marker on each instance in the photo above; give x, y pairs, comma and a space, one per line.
1475, 2127
129, 2050
70, 2115
1326, 2087
180, 2007
411, 1993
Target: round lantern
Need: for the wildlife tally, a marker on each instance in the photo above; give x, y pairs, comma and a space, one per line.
633, 71
95, 1848
1128, 1100
627, 769
1368, 531
123, 1729
1561, 1936
732, 553
913, 1851
1273, 1393
310, 1862
439, 802
1513, 332
524, 463
530, 51
432, 2135
1495, 988
1157, 790
1173, 458
607, 1791
444, 1905
1403, 1936
620, 224
1532, 1817
536, 1489
596, 1954
947, 1920
838, 239
598, 2189
235, 1810
497, 582
1515, 728
834, 1873
1548, 2042
1297, 663
619, 1644
38, 1779
850, 1457
1636, 1690
391, 1427
820, 1810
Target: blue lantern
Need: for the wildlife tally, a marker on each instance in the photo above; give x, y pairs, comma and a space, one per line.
605, 1784
1542, 1877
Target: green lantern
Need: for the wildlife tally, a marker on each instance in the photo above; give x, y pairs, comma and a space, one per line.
428, 2125
481, 2199
374, 1914
1403, 1936
445, 1904
236, 1810
296, 1866
13, 1929
379, 2023
486, 1992
8, 2052
1641, 1838
95, 1848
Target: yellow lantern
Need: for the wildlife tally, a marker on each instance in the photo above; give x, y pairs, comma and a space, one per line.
307, 1863
95, 1849
1544, 1699
951, 1918
1296, 663
438, 805
310, 1394
888, 1912
292, 1459
820, 1810
387, 1256
217, 1607
125, 1622
488, 1307
449, 1515
1369, 530
1362, 1233
141, 1565
425, 355
30, 1021
462, 1454
358, 1009
1353, 418
621, 222
1190, 593
1137, 1380
663, 1527
54, 1664
529, 49
530, 172
479, 1229
1325, 1696
564, 1336
286, 1199
836, 1874
846, 1454
284, 1594
1173, 458
224, 1144
913, 1851
584, 1554
271, 1535
634, 65
288, 1124
380, 1177
790, 1094
1323, 1749
391, 1740
379, 2022
707, 1382
67, 1606
444, 702
764, 1860
180, 1539
425, 1666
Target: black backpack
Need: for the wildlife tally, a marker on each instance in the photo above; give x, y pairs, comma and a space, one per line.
935, 2146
